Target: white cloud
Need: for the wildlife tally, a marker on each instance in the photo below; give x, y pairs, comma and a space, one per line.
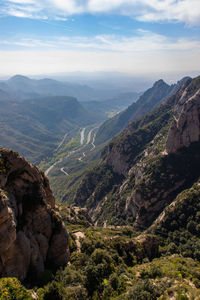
68, 7
142, 42
187, 11
146, 52
22, 1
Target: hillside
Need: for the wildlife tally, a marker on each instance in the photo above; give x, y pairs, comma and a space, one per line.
35, 128
142, 170
146, 103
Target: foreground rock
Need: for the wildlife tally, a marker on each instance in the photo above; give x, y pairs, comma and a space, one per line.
32, 235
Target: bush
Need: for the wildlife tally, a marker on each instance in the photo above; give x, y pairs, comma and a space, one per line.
99, 267
52, 291
77, 292
143, 290
12, 289
69, 276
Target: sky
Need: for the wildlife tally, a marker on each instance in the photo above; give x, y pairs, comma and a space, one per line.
138, 37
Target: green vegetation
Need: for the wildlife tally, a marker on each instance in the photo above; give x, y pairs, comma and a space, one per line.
180, 224
3, 166
112, 264
12, 289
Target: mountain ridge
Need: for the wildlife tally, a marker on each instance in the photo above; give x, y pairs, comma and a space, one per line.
126, 182
149, 100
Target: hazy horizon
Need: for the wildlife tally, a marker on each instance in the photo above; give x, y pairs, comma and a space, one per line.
116, 81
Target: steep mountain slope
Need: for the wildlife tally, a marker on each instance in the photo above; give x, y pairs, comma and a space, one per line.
144, 168
32, 234
146, 103
34, 128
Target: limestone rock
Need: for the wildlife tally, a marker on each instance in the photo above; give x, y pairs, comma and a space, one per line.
185, 128
29, 233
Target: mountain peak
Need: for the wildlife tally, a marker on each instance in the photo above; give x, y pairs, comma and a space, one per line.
159, 83
18, 77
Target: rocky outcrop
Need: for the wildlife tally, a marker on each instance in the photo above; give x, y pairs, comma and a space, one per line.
32, 235
185, 128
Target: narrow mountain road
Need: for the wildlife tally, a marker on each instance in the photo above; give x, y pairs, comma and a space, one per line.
93, 140
52, 166
89, 138
62, 170
61, 143
82, 136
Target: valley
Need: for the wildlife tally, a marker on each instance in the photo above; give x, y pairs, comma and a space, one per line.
70, 160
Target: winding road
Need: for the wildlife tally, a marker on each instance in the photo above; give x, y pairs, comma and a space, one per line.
88, 141
82, 137
66, 134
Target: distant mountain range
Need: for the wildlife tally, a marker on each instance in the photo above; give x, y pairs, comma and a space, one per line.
22, 87
26, 88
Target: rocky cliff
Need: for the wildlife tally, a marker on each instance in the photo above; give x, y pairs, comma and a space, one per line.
32, 236
155, 159
185, 128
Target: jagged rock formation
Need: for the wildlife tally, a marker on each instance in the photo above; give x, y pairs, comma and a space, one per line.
185, 128
32, 235
154, 159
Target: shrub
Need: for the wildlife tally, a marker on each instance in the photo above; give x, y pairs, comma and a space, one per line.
12, 289
52, 291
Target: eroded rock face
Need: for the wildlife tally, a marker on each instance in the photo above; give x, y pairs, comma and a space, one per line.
32, 235
185, 128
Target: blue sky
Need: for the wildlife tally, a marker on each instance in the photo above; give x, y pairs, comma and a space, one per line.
140, 37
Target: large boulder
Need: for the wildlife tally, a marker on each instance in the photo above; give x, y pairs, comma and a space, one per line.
32, 235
